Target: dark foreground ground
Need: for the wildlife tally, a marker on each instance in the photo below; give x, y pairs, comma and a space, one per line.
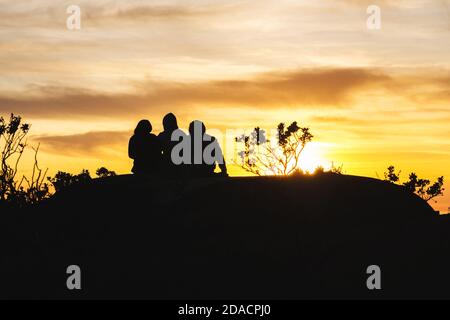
230, 238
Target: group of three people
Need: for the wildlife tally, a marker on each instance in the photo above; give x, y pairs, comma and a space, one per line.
155, 155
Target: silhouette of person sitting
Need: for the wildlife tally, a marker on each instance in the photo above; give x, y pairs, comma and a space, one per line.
205, 152
168, 141
144, 147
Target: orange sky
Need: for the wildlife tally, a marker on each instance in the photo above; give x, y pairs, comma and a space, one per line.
371, 97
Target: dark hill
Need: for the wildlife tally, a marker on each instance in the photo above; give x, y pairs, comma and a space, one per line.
297, 237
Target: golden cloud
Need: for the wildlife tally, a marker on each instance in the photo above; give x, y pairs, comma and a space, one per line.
323, 87
85, 144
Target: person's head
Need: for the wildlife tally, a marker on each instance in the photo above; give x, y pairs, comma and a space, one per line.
170, 122
194, 125
143, 127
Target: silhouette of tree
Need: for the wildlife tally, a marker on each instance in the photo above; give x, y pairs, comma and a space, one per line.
260, 156
103, 173
13, 134
421, 187
391, 176
63, 179
16, 192
37, 190
12, 146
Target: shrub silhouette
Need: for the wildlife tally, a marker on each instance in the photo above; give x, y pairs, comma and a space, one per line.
262, 157
63, 179
103, 173
13, 133
391, 176
421, 187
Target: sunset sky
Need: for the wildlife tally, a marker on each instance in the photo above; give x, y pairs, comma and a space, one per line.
371, 97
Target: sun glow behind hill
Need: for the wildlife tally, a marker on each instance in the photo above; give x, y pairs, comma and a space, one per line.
313, 157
